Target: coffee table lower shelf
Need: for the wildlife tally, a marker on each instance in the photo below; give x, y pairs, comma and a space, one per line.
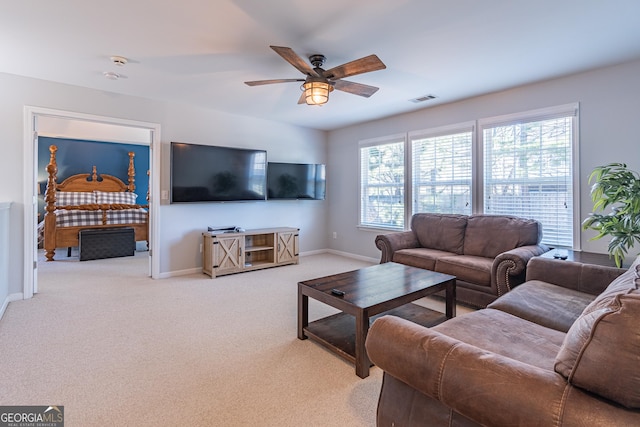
338, 332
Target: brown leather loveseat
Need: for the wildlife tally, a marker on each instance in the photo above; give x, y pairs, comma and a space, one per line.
487, 253
548, 353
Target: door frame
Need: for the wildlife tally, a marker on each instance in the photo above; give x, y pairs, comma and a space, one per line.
30, 152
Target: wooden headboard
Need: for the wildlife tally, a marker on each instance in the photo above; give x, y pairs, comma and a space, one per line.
88, 181
91, 182
83, 182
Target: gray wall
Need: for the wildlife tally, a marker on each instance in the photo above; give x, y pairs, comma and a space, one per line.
608, 115
180, 225
609, 111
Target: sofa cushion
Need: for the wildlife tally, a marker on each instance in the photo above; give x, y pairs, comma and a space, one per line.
444, 232
589, 278
419, 257
472, 269
543, 303
507, 335
491, 235
600, 351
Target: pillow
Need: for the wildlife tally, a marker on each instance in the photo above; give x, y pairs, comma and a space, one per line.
444, 232
490, 235
600, 351
112, 197
74, 198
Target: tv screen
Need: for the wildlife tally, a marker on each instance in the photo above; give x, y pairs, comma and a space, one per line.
296, 181
206, 173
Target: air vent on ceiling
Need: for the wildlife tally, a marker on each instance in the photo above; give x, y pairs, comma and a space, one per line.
423, 98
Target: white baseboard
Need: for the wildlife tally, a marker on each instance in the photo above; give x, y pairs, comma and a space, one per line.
354, 256
7, 300
318, 252
188, 271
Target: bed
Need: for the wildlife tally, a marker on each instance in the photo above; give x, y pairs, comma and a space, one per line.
89, 201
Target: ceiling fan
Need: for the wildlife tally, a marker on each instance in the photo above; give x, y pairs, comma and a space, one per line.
319, 82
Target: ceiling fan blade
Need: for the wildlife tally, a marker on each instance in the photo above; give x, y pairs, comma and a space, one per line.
355, 88
359, 66
302, 99
292, 58
268, 82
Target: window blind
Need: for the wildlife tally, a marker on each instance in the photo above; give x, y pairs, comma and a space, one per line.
382, 183
528, 172
442, 173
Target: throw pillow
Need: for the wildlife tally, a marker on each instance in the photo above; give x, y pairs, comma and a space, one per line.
600, 350
123, 197
74, 198
490, 235
444, 232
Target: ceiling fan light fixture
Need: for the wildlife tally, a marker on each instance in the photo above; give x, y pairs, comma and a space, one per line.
316, 91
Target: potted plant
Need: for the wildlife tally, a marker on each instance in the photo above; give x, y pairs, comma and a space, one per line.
617, 187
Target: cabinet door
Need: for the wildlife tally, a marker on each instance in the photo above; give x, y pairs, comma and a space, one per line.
287, 247
228, 254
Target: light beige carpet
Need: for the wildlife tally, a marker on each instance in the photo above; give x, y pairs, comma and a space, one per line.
119, 349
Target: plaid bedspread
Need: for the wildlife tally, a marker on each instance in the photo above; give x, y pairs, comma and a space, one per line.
76, 218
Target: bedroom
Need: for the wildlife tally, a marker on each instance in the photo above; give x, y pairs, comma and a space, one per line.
128, 162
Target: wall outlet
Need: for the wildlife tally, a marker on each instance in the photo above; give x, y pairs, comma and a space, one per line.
200, 247
164, 195
335, 234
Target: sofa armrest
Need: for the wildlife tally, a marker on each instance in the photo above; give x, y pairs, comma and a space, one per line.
509, 268
486, 387
589, 278
389, 243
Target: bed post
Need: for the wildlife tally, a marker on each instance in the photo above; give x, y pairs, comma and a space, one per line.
132, 173
50, 206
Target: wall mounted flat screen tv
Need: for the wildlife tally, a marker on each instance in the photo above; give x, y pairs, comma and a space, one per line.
206, 173
293, 181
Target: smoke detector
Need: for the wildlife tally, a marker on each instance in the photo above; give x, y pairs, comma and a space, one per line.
120, 61
111, 75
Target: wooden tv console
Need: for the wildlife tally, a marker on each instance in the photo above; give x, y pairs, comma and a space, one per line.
237, 252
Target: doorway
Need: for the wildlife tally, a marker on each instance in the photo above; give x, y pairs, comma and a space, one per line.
59, 123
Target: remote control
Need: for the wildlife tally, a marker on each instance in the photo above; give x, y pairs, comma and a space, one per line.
560, 254
337, 292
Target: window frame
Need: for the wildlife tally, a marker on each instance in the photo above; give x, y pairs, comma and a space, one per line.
372, 142
477, 129
454, 129
560, 111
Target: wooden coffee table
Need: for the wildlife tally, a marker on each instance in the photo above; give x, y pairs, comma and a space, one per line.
369, 292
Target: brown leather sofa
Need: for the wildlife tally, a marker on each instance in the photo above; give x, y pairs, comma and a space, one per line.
487, 253
548, 353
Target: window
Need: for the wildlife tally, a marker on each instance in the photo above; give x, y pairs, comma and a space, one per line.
382, 183
528, 169
522, 165
441, 178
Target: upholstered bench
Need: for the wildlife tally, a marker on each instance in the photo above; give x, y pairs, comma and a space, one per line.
102, 243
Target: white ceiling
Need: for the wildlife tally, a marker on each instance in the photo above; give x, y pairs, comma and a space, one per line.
201, 51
